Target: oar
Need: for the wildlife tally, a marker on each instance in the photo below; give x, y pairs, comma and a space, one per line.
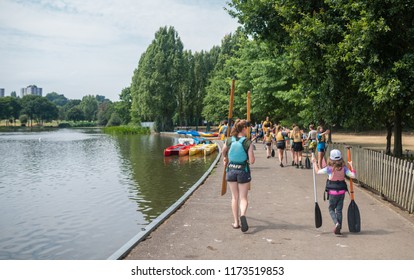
318, 214
224, 182
248, 115
307, 161
354, 218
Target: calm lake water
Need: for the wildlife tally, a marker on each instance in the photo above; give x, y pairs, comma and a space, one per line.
82, 194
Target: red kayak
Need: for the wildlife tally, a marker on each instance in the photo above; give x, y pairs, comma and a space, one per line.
184, 151
173, 150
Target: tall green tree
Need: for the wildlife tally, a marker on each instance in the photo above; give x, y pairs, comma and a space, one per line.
9, 108
379, 52
75, 114
38, 108
352, 59
89, 106
105, 110
216, 101
123, 107
58, 99
156, 82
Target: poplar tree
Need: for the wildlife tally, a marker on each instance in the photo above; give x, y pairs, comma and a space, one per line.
155, 87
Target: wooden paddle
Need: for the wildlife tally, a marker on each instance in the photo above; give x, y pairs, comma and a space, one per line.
230, 115
248, 115
354, 218
318, 214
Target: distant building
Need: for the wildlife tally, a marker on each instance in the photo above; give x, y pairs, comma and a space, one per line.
1, 92
32, 89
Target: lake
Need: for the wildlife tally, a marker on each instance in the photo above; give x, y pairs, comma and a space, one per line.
81, 194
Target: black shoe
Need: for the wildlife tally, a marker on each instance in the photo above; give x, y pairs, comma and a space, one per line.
244, 225
281, 164
297, 165
293, 163
337, 229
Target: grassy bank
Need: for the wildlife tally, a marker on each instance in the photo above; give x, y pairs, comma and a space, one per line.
126, 129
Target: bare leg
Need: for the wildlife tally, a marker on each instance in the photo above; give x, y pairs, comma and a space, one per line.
234, 187
280, 154
320, 154
244, 203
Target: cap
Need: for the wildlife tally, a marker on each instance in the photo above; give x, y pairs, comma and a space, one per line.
335, 155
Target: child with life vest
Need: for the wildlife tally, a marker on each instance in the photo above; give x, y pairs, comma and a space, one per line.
237, 156
268, 141
280, 142
335, 185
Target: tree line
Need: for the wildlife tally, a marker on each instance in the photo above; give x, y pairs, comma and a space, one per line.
97, 110
342, 64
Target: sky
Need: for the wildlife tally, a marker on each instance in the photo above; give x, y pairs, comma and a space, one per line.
91, 47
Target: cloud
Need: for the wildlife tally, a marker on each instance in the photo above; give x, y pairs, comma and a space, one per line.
81, 47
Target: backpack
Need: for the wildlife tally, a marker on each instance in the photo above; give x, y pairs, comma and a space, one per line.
238, 153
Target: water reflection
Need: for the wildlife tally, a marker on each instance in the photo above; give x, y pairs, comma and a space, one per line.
81, 194
160, 180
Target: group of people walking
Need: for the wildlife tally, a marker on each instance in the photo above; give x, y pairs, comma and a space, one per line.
238, 155
295, 140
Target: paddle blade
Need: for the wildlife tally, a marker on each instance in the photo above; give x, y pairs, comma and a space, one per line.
354, 218
224, 183
273, 152
318, 216
307, 163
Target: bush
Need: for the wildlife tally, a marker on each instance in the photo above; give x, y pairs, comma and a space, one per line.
115, 120
64, 125
127, 129
83, 124
23, 119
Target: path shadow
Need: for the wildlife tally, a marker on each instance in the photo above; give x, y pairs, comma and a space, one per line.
266, 225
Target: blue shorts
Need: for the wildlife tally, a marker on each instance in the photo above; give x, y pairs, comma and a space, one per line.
239, 176
321, 147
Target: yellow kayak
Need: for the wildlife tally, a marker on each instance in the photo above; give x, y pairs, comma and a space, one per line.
209, 148
196, 149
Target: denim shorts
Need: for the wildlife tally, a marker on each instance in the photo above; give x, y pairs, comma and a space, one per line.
239, 176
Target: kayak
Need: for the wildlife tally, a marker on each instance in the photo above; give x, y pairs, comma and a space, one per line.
210, 148
208, 134
193, 133
196, 149
183, 132
186, 141
173, 150
185, 151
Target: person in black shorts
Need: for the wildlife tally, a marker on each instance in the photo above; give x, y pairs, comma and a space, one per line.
237, 156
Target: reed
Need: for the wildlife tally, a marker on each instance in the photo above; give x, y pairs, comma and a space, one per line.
126, 129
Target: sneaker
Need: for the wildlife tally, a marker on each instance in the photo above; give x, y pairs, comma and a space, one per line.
337, 229
281, 164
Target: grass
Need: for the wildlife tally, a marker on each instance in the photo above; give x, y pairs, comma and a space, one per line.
126, 129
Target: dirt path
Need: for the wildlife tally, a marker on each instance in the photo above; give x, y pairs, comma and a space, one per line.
375, 141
